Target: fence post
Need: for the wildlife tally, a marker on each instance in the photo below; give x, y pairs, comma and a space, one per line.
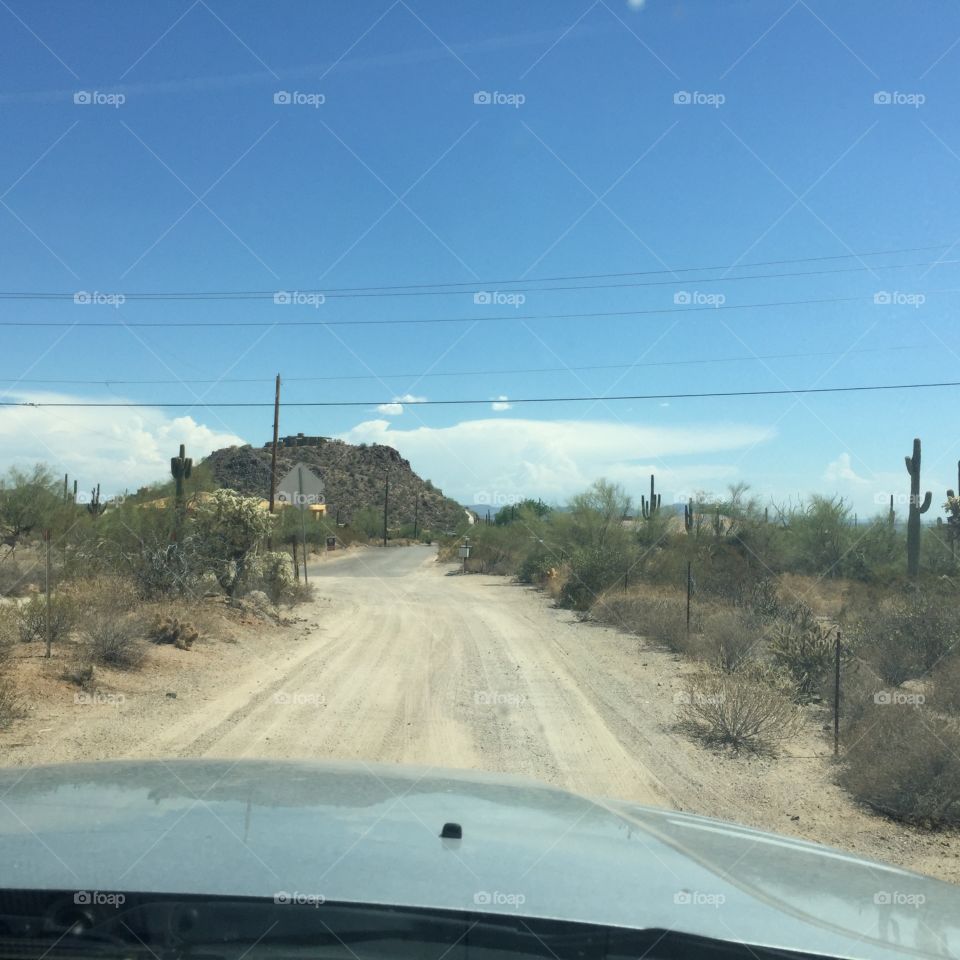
689, 583
49, 624
836, 698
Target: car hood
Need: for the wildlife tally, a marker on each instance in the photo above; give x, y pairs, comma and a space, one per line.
371, 833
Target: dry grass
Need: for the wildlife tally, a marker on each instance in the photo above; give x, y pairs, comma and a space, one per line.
825, 597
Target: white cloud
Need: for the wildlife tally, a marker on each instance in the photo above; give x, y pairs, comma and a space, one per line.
555, 459
118, 448
500, 403
841, 471
395, 408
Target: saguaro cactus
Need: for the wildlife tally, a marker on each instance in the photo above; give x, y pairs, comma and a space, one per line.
650, 507
688, 515
916, 508
180, 468
94, 506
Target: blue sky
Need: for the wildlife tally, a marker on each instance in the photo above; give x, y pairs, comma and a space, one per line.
383, 170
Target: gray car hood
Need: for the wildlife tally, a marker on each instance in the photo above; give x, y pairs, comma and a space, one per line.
371, 833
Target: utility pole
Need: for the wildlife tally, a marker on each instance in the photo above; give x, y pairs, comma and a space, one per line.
273, 453
386, 503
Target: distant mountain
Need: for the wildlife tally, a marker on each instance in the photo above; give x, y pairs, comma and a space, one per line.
353, 477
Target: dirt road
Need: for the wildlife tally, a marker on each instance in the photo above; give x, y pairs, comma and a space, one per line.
400, 659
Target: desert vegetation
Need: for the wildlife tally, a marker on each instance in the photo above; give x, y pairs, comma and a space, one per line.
777, 594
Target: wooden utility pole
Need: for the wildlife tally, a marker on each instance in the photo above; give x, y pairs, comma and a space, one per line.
386, 503
273, 453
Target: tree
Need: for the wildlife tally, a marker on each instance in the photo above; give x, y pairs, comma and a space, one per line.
229, 529
524, 510
29, 501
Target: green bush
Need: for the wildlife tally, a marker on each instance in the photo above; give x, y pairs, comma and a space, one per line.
591, 572
803, 648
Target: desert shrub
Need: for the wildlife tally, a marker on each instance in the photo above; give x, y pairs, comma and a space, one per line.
737, 710
166, 629
273, 574
663, 619
903, 638
859, 686
79, 671
946, 685
32, 618
164, 569
115, 644
591, 572
900, 760
535, 567
730, 638
17, 580
803, 648
11, 707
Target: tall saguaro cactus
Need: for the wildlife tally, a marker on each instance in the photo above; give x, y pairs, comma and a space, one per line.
651, 507
916, 508
180, 468
688, 515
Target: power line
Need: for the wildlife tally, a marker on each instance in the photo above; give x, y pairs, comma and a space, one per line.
434, 403
470, 373
254, 295
399, 289
232, 324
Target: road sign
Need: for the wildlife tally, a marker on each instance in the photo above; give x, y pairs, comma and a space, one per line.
301, 487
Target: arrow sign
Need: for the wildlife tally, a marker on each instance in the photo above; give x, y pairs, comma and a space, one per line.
301, 487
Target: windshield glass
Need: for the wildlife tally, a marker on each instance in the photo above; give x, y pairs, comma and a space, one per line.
508, 398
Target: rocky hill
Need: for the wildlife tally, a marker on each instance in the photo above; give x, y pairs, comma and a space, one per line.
353, 478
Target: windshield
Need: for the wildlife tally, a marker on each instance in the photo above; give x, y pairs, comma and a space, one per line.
474, 394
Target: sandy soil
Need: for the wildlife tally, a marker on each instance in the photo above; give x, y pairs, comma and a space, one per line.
400, 659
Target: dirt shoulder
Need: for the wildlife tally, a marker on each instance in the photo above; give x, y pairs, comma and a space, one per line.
400, 660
